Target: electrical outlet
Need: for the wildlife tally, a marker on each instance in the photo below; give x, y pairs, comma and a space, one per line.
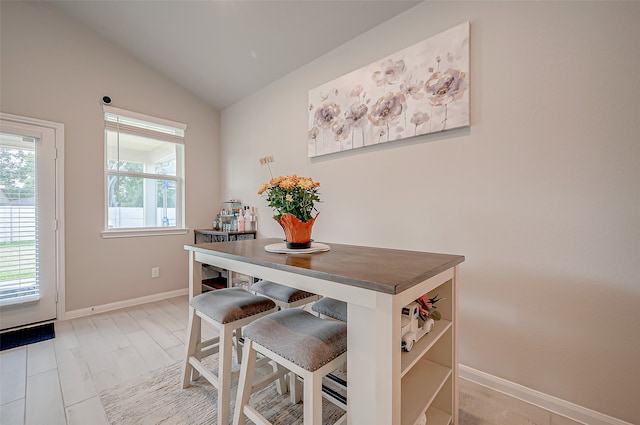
155, 272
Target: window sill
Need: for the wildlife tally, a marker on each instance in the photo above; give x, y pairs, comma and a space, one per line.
134, 233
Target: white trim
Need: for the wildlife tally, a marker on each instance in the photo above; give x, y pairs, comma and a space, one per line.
552, 404
131, 233
143, 117
58, 129
74, 314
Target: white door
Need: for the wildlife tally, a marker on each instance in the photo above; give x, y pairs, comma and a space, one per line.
28, 278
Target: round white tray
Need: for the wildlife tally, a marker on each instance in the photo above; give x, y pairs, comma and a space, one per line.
281, 248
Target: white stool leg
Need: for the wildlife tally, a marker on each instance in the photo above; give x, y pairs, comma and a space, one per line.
246, 380
312, 399
236, 343
224, 374
295, 388
281, 383
193, 335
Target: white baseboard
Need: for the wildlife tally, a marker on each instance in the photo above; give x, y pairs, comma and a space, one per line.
74, 314
537, 398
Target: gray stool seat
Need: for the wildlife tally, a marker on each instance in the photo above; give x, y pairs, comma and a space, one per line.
331, 308
230, 304
284, 296
300, 337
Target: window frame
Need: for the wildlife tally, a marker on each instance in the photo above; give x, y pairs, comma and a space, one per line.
109, 113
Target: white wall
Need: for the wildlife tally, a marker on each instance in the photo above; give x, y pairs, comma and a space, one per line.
541, 193
54, 69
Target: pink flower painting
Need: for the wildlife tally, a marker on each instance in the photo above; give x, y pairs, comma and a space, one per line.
419, 90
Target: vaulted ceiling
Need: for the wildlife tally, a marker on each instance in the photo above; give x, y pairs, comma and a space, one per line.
226, 50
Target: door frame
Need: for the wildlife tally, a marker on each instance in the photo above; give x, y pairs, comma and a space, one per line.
58, 129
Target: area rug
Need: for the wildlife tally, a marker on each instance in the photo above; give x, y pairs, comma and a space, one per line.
26, 336
158, 398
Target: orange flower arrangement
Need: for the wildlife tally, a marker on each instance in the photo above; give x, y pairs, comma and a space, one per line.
292, 194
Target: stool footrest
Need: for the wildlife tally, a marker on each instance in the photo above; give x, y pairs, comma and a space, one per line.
212, 341
337, 380
197, 365
268, 379
255, 416
210, 351
334, 397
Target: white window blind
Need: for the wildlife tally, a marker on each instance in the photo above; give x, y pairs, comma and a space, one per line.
156, 128
19, 277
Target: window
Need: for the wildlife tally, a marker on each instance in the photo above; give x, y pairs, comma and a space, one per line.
18, 240
144, 174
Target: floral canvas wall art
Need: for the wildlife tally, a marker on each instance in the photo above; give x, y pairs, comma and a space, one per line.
419, 90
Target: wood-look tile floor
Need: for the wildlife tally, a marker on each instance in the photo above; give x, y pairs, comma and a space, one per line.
56, 382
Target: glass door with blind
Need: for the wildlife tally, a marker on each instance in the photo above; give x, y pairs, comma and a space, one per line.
28, 282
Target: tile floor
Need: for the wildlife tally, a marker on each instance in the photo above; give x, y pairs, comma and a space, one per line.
56, 382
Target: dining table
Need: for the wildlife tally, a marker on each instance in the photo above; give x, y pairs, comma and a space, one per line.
386, 385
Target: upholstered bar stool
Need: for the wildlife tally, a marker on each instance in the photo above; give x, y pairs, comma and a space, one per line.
305, 344
227, 310
330, 308
284, 296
